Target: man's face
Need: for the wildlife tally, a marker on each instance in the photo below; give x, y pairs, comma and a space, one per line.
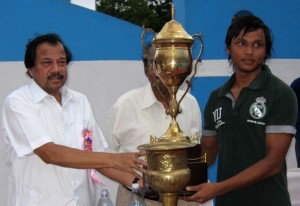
248, 51
50, 68
149, 69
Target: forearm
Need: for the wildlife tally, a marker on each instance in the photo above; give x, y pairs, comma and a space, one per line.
253, 174
277, 146
64, 156
210, 147
124, 178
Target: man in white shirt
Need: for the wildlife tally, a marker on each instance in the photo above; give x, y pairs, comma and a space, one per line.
142, 112
53, 142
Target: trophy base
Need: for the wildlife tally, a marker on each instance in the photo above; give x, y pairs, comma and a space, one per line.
198, 174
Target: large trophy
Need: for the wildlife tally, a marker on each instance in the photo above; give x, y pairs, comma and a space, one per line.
167, 156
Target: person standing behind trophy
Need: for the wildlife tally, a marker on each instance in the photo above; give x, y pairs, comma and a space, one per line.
250, 122
53, 142
140, 113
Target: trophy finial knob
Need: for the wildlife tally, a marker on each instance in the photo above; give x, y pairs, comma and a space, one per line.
172, 11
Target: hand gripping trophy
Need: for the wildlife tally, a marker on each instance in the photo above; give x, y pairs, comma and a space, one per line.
166, 156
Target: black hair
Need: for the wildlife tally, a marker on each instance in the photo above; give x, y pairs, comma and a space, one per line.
51, 38
241, 13
248, 24
144, 57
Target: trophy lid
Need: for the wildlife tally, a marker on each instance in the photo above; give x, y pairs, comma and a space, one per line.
172, 31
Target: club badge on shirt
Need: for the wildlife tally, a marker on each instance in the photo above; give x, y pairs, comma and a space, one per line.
258, 109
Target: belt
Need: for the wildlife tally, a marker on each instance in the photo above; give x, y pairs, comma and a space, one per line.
154, 196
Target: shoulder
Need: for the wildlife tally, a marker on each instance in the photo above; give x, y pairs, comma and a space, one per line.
216, 93
75, 93
22, 93
188, 96
77, 98
130, 96
279, 86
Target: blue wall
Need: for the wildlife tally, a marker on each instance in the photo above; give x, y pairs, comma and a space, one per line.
213, 17
90, 35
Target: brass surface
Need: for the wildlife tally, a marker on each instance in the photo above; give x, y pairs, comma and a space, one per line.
166, 156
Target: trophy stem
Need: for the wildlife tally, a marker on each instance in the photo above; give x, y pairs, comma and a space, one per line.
173, 106
169, 199
174, 133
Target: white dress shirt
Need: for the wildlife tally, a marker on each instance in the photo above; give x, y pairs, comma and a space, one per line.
32, 118
138, 114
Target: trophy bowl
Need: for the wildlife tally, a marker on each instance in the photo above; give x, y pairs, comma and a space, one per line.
173, 63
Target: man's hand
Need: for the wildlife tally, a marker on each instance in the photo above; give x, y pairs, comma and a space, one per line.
130, 162
204, 192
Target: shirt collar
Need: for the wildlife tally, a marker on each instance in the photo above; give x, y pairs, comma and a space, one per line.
149, 97
39, 94
257, 83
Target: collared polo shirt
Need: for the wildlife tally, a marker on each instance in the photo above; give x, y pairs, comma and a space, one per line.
267, 105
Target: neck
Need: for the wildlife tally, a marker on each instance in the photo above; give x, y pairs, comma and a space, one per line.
57, 96
244, 79
162, 95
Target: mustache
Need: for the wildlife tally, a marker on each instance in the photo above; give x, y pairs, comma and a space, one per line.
56, 75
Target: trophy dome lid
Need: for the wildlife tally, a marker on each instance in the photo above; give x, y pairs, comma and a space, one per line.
172, 31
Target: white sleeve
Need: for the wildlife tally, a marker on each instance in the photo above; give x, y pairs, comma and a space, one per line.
110, 129
23, 127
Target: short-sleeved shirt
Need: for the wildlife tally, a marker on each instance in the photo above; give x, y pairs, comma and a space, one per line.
267, 105
31, 118
137, 115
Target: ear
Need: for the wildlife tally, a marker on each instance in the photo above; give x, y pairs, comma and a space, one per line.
228, 51
29, 72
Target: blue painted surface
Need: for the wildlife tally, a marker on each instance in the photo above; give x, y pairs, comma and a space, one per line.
212, 18
96, 36
203, 86
90, 35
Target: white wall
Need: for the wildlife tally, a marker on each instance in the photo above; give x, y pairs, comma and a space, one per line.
89, 4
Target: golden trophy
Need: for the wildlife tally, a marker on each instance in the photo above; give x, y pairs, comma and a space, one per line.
167, 156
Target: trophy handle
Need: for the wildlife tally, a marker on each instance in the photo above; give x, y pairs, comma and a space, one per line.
198, 57
201, 46
146, 53
189, 83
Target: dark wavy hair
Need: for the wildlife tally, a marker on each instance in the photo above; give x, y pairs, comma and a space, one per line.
248, 24
51, 38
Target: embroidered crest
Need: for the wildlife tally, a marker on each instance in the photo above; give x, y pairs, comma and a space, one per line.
258, 109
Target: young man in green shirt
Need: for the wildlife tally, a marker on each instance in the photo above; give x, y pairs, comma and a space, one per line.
249, 122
